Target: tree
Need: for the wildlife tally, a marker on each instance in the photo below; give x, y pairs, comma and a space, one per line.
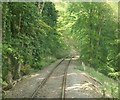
28, 37
95, 27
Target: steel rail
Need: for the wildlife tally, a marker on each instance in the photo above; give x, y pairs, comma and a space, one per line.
45, 79
64, 81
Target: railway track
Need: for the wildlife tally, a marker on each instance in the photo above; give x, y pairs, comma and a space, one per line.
64, 81
62, 94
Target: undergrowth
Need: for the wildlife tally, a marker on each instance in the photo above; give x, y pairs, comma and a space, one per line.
109, 85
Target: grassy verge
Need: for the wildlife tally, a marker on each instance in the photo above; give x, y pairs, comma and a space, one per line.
110, 86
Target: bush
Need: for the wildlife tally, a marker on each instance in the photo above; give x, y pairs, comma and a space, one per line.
114, 75
26, 69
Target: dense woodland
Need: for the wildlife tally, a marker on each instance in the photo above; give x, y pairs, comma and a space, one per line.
30, 39
95, 28
36, 34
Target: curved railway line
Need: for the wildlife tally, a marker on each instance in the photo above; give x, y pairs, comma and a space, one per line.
41, 85
59, 81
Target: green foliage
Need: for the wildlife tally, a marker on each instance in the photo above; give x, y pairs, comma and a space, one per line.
34, 36
49, 14
95, 26
115, 75
29, 36
26, 69
109, 85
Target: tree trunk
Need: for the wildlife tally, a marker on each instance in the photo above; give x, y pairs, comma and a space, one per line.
90, 35
9, 76
16, 69
17, 72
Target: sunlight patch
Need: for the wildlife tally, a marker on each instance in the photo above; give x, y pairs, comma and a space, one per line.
84, 86
34, 75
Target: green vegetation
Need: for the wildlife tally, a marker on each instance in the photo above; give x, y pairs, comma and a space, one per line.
30, 40
36, 34
92, 30
109, 85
